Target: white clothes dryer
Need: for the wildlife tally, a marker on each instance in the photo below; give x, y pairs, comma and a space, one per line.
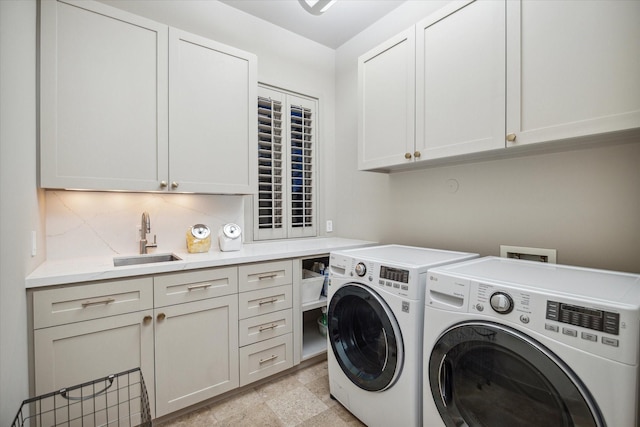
375, 318
522, 344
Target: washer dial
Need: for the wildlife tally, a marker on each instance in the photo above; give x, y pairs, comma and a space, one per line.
501, 302
361, 269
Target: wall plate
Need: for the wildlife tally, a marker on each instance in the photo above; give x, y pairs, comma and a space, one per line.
530, 254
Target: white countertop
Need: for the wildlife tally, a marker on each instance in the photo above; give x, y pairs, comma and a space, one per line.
100, 268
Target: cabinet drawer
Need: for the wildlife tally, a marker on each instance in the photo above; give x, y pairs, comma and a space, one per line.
264, 275
260, 328
264, 301
169, 289
58, 306
265, 358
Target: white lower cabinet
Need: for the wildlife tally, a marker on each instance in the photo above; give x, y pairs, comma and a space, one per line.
90, 331
266, 319
194, 334
196, 348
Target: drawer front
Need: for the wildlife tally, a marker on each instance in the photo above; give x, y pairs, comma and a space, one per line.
264, 301
52, 307
260, 328
177, 288
265, 358
265, 275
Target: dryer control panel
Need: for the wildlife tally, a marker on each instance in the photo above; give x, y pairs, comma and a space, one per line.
608, 330
597, 320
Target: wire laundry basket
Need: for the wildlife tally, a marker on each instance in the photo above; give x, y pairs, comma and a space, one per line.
116, 400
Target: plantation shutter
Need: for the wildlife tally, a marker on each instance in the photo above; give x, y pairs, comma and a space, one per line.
285, 206
302, 161
271, 186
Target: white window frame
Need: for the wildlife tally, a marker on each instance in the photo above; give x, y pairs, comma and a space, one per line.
288, 183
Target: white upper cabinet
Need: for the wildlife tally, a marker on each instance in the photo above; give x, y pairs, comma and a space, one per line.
460, 94
573, 68
386, 103
103, 98
493, 74
212, 116
129, 104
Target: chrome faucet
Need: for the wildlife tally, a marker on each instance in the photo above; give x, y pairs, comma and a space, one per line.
145, 227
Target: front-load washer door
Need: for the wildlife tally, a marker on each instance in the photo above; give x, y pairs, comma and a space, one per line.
365, 337
483, 374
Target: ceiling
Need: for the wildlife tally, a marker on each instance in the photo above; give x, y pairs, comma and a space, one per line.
341, 22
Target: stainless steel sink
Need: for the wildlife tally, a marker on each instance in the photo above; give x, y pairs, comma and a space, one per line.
144, 259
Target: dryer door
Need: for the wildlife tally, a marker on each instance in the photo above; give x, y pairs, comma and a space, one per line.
365, 337
486, 374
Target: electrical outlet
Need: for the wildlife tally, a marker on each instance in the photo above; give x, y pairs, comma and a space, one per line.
530, 254
329, 226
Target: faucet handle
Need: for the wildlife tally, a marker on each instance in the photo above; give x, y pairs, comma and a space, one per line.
154, 244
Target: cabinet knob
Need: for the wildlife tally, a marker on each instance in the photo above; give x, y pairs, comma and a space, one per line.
147, 319
174, 184
163, 184
407, 156
161, 317
511, 137
416, 154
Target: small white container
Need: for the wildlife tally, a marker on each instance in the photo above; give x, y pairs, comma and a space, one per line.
230, 238
311, 286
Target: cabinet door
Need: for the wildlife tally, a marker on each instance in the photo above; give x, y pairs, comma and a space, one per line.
103, 98
75, 353
196, 352
213, 116
460, 62
386, 103
572, 68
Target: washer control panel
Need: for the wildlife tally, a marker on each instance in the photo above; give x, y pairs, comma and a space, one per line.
403, 281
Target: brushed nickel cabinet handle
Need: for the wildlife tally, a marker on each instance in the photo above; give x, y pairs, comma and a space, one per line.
416, 154
407, 156
161, 317
269, 301
99, 302
268, 276
201, 286
273, 356
163, 184
174, 184
511, 137
267, 328
147, 319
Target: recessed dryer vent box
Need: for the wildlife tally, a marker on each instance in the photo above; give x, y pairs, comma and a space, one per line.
530, 254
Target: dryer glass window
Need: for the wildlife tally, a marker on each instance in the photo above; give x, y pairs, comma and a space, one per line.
483, 374
365, 337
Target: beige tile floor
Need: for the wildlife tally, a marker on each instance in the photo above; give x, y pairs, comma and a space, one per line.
297, 399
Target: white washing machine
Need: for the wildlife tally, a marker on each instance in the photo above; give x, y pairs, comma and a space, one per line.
521, 343
375, 318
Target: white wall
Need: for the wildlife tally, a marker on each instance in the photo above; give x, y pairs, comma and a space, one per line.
584, 203
20, 202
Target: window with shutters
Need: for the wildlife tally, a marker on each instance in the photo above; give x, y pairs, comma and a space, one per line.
286, 203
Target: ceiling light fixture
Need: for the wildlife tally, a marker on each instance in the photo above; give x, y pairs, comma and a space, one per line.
316, 7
